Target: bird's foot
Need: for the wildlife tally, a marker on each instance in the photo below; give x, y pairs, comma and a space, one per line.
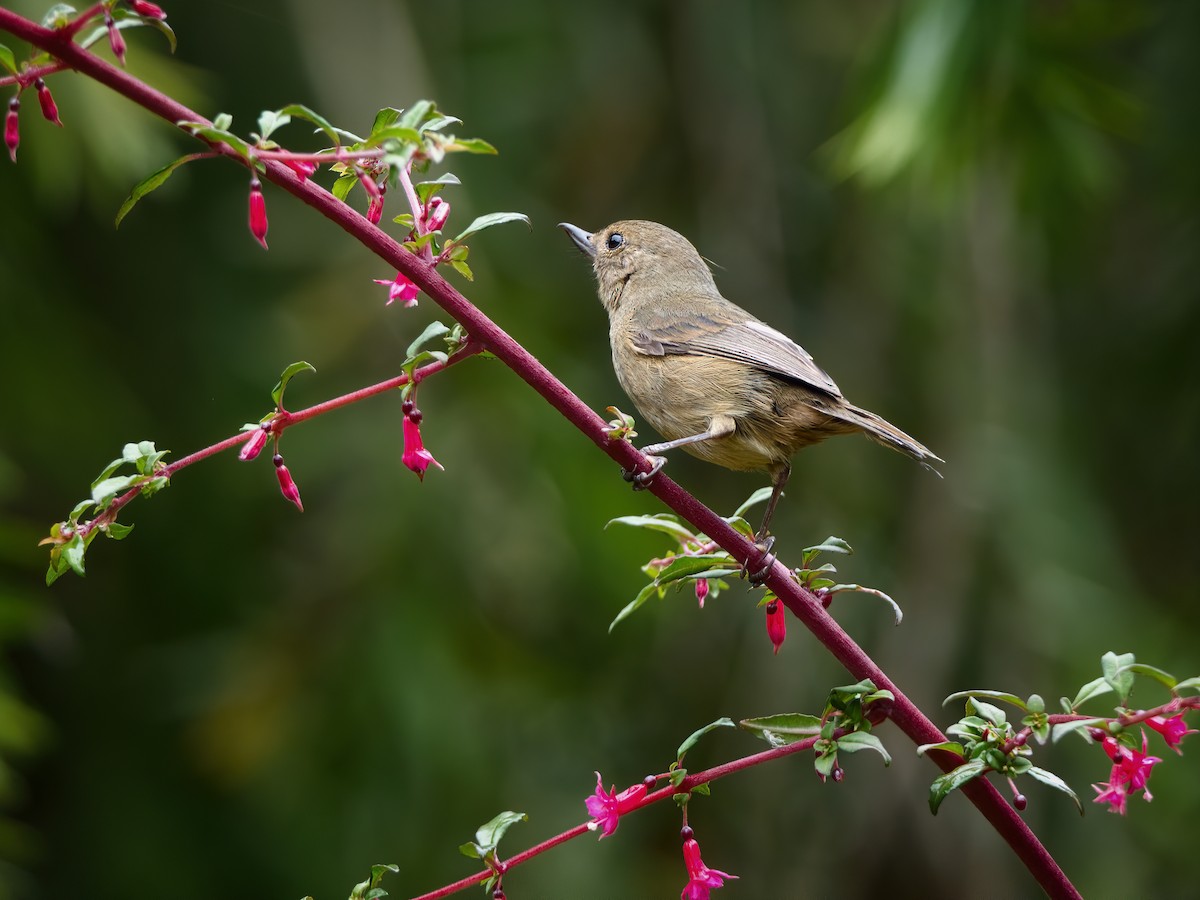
641, 480
765, 561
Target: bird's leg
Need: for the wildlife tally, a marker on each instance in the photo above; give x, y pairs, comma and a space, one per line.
762, 540
718, 427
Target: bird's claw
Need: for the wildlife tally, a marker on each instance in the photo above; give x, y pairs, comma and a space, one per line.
765, 561
641, 480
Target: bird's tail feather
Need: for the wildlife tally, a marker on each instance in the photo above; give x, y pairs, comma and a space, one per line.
884, 432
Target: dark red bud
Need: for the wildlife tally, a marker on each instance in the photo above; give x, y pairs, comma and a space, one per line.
838, 774
277, 459
686, 833
114, 38
416, 416
12, 128
1020, 802
498, 894
649, 781
407, 407
49, 107
258, 212
150, 10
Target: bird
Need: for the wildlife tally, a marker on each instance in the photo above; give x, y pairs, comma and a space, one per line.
711, 378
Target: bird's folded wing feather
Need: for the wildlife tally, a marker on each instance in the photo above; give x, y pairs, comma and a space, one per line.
732, 336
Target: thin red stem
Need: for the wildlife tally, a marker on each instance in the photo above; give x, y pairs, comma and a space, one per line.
803, 604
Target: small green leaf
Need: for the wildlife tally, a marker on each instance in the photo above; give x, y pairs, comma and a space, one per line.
106, 490
300, 111
415, 114
223, 121
393, 133
753, 500
1116, 672
489, 834
462, 269
471, 145
948, 746
155, 181
1089, 691
993, 714
630, 608
440, 122
432, 330
897, 612
783, 728
1051, 780
7, 59
861, 740
342, 187
1035, 704
269, 120
118, 531
831, 544
288, 374
664, 522
688, 567
1064, 728
490, 219
723, 722
941, 787
1166, 679
1188, 684
217, 135
73, 551
58, 15
991, 695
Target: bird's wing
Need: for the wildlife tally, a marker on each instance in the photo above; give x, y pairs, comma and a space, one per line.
733, 335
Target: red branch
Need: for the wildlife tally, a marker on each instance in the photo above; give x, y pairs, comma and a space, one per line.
801, 602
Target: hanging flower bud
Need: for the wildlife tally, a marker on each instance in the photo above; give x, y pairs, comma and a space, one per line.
375, 209
701, 590
255, 445
437, 211
302, 167
114, 38
12, 127
49, 107
776, 624
258, 212
415, 456
286, 484
150, 10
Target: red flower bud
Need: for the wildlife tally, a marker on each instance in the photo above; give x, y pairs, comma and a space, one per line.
258, 212
436, 214
701, 590
776, 624
114, 38
255, 445
303, 168
150, 10
49, 107
375, 210
286, 484
12, 128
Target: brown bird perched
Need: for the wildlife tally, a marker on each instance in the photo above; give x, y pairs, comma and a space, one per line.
710, 377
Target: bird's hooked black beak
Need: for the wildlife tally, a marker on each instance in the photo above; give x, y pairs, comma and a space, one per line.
582, 239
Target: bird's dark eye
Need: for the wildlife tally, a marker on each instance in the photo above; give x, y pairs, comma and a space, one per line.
615, 240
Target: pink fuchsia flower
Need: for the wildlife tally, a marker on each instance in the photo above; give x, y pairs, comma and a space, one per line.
607, 807
286, 484
437, 211
701, 879
302, 167
255, 445
12, 127
776, 624
1173, 729
701, 591
416, 457
46, 100
375, 209
1130, 772
258, 212
400, 288
150, 10
115, 40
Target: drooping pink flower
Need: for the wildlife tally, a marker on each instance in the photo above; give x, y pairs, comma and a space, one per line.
701, 591
607, 807
46, 100
415, 456
776, 624
12, 127
375, 209
286, 484
437, 211
1130, 772
701, 879
151, 10
1173, 729
255, 445
400, 288
302, 167
258, 212
115, 40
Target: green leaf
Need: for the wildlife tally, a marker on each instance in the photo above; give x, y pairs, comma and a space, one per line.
117, 531
664, 522
991, 695
393, 133
58, 15
1116, 672
416, 114
155, 181
288, 374
1188, 684
951, 781
490, 219
862, 589
343, 186
300, 111
1051, 780
1166, 679
439, 122
218, 136
861, 740
783, 728
1035, 704
1064, 728
471, 145
723, 722
489, 834
630, 608
462, 269
269, 120
753, 500
1089, 691
7, 59
432, 330
73, 551
948, 746
993, 714
688, 567
106, 490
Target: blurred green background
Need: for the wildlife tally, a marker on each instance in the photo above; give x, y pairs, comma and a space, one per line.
980, 217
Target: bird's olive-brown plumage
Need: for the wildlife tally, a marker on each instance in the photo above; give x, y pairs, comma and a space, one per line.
711, 378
